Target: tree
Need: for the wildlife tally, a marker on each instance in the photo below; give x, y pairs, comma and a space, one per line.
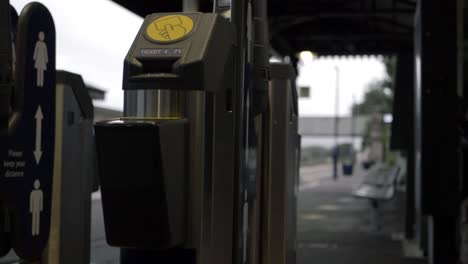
378, 97
376, 100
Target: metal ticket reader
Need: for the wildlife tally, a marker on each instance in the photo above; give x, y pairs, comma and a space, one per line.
27, 147
280, 176
167, 167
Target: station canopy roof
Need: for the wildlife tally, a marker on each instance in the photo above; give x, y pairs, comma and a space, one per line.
325, 27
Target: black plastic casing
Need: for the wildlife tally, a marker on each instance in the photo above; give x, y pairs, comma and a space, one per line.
198, 64
143, 182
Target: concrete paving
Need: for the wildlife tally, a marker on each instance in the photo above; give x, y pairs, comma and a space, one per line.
336, 228
333, 226
101, 252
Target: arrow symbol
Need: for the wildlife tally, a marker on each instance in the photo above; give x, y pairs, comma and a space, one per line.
38, 152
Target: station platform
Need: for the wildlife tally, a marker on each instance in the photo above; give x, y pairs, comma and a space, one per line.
336, 228
333, 226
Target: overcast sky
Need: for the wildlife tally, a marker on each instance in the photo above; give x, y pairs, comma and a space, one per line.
320, 75
93, 37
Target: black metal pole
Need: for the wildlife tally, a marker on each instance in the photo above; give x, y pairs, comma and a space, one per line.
261, 55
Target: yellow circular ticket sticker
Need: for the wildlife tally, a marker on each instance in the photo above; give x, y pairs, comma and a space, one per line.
169, 28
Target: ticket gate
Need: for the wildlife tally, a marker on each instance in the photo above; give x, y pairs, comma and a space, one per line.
167, 167
46, 138
280, 166
74, 173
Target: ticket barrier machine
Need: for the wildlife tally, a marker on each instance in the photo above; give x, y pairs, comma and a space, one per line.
280, 177
167, 167
47, 139
75, 173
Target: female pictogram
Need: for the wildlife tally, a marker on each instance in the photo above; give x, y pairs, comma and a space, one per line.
41, 58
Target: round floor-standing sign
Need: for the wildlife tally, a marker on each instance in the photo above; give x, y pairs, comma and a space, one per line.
27, 156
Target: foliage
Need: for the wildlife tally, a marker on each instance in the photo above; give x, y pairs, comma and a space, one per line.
375, 100
314, 155
346, 152
378, 97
